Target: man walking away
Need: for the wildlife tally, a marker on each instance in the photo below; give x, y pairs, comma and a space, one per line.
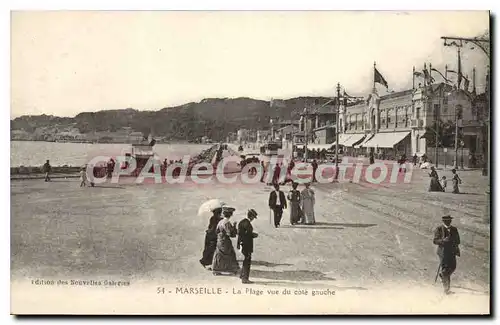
447, 239
277, 202
245, 244
47, 169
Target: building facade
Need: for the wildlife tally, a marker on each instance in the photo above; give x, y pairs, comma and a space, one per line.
403, 122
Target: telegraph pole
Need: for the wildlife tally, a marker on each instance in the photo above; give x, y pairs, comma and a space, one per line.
455, 165
337, 120
484, 44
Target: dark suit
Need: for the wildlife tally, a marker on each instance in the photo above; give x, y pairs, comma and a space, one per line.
447, 251
277, 209
245, 241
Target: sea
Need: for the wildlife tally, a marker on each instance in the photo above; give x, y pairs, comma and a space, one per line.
35, 153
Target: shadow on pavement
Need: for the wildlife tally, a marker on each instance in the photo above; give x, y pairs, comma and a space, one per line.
347, 225
267, 264
311, 227
472, 290
299, 275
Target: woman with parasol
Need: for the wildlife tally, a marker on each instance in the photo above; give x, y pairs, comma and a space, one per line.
225, 257
211, 237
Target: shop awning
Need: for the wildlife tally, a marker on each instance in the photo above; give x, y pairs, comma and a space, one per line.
365, 140
386, 140
343, 137
353, 139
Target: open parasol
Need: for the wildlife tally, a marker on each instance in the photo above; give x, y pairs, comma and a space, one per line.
207, 207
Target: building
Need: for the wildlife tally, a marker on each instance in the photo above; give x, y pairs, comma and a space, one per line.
402, 122
319, 124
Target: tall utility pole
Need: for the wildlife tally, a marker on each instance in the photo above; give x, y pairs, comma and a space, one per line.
337, 120
457, 116
304, 116
484, 44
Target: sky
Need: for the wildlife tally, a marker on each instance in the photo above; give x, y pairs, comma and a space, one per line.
67, 62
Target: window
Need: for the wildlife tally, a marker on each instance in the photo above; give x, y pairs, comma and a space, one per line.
417, 144
396, 116
406, 116
417, 115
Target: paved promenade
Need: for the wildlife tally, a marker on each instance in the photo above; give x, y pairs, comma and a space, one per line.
366, 239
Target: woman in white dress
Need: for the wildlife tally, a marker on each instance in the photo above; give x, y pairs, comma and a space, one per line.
308, 201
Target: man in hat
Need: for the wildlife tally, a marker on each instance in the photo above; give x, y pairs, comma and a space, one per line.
277, 202
447, 239
245, 243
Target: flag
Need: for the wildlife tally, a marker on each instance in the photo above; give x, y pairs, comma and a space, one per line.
459, 69
436, 70
466, 84
418, 74
428, 78
380, 79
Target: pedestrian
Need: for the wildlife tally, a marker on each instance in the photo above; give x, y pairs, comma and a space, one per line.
414, 160
447, 239
294, 197
245, 244
308, 201
47, 169
277, 202
83, 177
276, 174
315, 168
444, 183
455, 180
372, 157
211, 238
434, 186
225, 257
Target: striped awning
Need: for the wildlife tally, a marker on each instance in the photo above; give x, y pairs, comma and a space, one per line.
354, 139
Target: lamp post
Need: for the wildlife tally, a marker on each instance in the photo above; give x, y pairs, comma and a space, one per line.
483, 42
272, 129
337, 121
304, 116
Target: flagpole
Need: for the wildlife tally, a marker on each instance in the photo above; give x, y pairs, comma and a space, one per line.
413, 78
446, 73
374, 69
430, 73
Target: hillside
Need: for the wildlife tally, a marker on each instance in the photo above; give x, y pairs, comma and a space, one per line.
212, 117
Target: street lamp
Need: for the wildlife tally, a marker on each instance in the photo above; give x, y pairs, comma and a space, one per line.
304, 117
272, 129
483, 42
337, 120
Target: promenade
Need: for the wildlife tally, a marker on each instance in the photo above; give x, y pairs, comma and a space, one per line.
366, 239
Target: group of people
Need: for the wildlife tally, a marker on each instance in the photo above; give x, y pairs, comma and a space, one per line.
301, 204
219, 254
439, 185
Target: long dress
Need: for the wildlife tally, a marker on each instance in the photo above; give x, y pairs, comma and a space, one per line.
210, 242
295, 212
456, 181
435, 186
308, 201
225, 257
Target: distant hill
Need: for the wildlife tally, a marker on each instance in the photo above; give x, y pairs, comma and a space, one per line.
212, 117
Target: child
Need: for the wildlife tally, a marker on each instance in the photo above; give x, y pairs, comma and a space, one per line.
83, 177
444, 182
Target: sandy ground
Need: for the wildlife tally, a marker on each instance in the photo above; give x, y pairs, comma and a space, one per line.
372, 246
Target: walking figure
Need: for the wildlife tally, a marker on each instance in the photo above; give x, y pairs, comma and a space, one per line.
83, 177
277, 202
456, 180
447, 239
47, 169
245, 244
